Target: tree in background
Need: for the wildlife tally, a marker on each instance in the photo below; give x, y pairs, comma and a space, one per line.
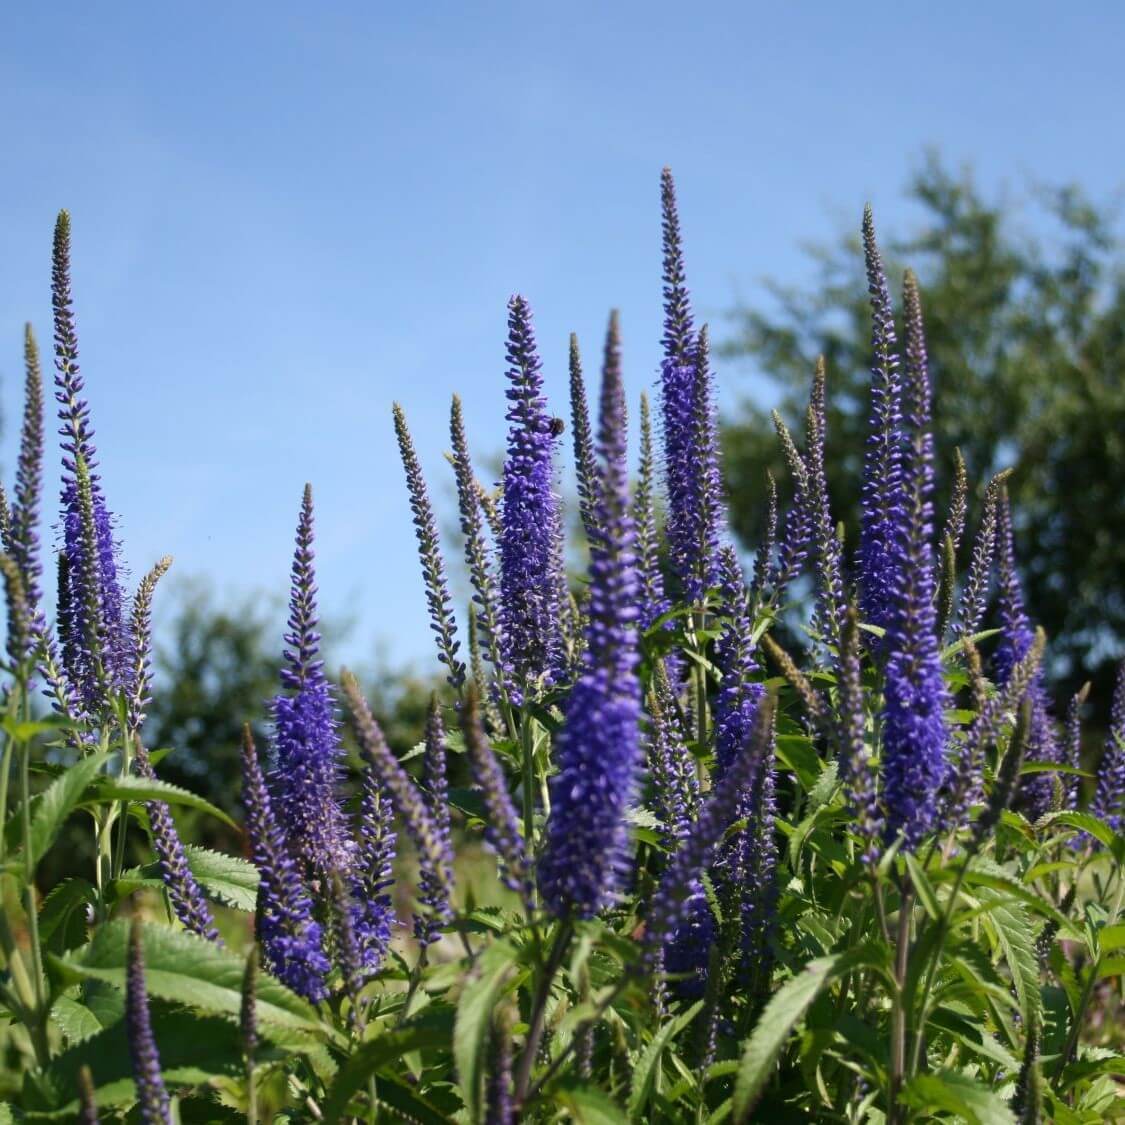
1027, 351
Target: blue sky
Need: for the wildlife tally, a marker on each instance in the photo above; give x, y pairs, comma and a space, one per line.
288, 215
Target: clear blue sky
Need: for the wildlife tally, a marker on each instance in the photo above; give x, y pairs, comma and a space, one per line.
288, 215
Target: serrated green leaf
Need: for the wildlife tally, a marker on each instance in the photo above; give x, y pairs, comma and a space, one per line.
62, 917
957, 1093
644, 1070
231, 880
785, 1009
588, 1105
132, 788
367, 1059
59, 800
1017, 939
1084, 822
492, 976
182, 967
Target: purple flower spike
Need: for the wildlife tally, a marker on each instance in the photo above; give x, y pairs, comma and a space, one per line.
502, 826
830, 578
309, 757
532, 583
291, 940
153, 1104
1109, 796
856, 769
188, 901
883, 511
915, 696
98, 641
372, 909
29, 484
653, 602
585, 462
725, 804
142, 642
671, 765
598, 749
1037, 791
434, 883
429, 552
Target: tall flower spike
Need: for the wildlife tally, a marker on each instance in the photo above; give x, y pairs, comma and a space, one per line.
248, 1008
598, 748
142, 642
410, 804
678, 331
974, 596
502, 827
373, 911
29, 482
1016, 639
346, 947
768, 543
671, 765
19, 637
435, 881
830, 578
856, 767
532, 583
1072, 755
184, 892
87, 526
958, 502
739, 694
429, 552
883, 511
153, 1104
290, 938
477, 556
1109, 794
584, 461
711, 518
698, 847
309, 757
653, 602
915, 696
798, 536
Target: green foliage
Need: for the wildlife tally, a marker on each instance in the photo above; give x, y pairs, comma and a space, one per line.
1027, 357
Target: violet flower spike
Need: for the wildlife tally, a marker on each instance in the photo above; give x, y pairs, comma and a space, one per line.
153, 1104
798, 532
1072, 747
291, 939
1016, 640
883, 513
409, 802
1109, 794
598, 748
532, 580
915, 696
585, 463
188, 901
434, 883
91, 550
830, 578
372, 908
974, 596
309, 757
856, 768
25, 546
723, 807
142, 643
653, 602
429, 552
767, 545
502, 826
671, 766
478, 558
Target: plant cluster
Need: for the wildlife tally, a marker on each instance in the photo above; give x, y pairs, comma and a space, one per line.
732, 881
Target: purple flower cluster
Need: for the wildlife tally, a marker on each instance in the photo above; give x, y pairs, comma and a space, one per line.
915, 696
532, 583
1109, 796
434, 881
598, 749
153, 1104
372, 909
308, 755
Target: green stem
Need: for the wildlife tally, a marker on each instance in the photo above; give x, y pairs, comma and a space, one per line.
539, 1011
899, 1015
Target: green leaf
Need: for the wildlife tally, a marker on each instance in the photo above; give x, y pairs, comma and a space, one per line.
74, 1019
375, 1053
187, 969
1111, 937
193, 1050
645, 1069
62, 917
231, 880
781, 1015
491, 978
131, 788
956, 1093
922, 886
1013, 930
58, 801
589, 1106
1084, 822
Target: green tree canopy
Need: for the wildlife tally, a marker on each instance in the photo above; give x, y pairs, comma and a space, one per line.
1027, 346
